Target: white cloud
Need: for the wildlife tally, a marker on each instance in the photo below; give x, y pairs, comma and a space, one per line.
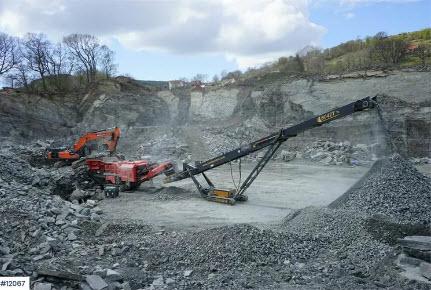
249, 31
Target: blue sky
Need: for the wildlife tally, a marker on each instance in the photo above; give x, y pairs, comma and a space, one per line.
347, 22
170, 39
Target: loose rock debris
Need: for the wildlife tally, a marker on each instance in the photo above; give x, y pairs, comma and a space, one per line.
393, 187
54, 241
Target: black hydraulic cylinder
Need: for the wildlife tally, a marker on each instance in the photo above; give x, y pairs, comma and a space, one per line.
280, 136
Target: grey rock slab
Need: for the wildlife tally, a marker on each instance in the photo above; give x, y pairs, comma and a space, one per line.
42, 286
417, 242
71, 237
158, 282
96, 282
112, 275
409, 260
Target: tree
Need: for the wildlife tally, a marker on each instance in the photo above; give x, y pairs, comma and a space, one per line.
389, 50
22, 75
233, 75
314, 61
423, 51
200, 77
36, 49
216, 79
8, 53
85, 49
107, 59
59, 61
223, 74
299, 62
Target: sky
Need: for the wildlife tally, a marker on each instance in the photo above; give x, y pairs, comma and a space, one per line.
171, 39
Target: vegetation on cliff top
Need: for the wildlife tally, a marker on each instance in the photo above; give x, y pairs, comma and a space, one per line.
411, 49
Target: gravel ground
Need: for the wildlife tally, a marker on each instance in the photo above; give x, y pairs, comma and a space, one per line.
350, 247
167, 193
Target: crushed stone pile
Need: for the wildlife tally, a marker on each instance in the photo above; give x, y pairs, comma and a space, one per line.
332, 153
349, 249
253, 256
392, 187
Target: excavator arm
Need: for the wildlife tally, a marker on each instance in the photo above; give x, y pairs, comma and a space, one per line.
110, 138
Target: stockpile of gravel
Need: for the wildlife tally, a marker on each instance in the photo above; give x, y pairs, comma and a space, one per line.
350, 248
240, 256
393, 187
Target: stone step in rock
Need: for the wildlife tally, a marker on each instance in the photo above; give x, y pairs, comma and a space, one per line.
422, 243
59, 274
417, 246
425, 269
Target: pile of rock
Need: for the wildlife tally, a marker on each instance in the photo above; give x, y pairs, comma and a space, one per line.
248, 255
394, 188
36, 225
345, 245
331, 153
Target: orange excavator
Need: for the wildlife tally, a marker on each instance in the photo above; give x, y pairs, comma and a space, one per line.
83, 146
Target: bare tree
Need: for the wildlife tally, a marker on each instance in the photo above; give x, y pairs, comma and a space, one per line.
200, 77
58, 61
216, 79
85, 49
36, 49
8, 51
22, 74
107, 61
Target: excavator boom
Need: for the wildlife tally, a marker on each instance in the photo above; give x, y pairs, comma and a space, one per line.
109, 136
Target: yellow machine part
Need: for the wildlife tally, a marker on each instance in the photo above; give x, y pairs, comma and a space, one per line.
223, 193
222, 196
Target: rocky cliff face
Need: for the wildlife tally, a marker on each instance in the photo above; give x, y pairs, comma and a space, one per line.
219, 118
405, 97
